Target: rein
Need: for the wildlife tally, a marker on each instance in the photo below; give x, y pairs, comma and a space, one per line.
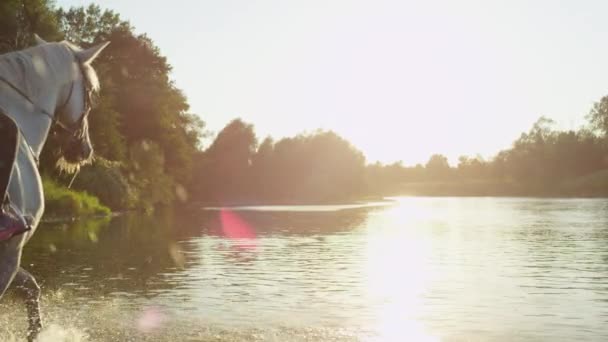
54, 120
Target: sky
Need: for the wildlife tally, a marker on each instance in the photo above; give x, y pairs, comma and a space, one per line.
401, 80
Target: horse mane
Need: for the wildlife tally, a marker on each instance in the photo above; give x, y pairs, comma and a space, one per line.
42, 66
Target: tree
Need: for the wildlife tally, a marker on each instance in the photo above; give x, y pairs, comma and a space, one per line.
472, 168
86, 26
147, 172
598, 116
138, 102
438, 167
223, 170
317, 167
261, 167
21, 19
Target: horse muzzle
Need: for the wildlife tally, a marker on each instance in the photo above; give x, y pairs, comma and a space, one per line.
77, 151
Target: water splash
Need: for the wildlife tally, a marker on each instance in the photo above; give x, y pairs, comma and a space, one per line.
52, 333
56, 333
151, 319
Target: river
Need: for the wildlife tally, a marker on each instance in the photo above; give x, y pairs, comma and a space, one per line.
413, 269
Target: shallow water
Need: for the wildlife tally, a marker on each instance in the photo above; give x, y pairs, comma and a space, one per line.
418, 269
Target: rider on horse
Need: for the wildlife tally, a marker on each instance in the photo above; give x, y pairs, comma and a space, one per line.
12, 221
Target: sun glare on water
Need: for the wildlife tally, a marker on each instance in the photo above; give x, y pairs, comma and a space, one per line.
398, 275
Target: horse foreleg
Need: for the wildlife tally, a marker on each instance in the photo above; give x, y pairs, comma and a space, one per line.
9, 264
28, 289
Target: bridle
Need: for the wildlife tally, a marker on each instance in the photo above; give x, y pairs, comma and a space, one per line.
74, 129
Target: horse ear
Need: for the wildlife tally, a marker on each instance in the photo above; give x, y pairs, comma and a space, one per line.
39, 41
88, 55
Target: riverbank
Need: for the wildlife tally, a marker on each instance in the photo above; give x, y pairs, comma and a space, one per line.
291, 202
590, 186
61, 202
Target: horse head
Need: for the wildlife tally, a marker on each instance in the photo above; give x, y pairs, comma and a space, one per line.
74, 104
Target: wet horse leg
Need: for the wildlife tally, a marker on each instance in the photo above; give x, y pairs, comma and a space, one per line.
28, 289
9, 265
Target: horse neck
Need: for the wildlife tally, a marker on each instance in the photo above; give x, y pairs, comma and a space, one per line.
30, 117
35, 130
33, 119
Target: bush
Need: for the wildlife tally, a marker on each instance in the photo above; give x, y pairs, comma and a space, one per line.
61, 201
105, 180
147, 173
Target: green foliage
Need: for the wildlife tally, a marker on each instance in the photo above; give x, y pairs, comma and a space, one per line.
317, 167
147, 173
598, 116
63, 202
85, 26
106, 181
438, 166
135, 79
223, 170
20, 19
138, 103
592, 185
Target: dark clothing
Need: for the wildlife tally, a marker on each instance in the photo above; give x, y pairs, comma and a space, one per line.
9, 138
11, 222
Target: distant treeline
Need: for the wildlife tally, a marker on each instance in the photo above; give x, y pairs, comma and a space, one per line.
541, 162
148, 151
323, 167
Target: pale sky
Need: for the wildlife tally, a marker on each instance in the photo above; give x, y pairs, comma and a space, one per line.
400, 79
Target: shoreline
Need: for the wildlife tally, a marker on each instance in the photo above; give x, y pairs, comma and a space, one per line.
380, 200
386, 199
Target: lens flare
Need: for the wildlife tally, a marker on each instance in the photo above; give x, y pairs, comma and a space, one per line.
151, 318
235, 228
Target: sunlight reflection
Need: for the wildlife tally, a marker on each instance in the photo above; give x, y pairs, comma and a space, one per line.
398, 275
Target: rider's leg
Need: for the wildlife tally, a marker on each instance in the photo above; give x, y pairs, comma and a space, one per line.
11, 221
9, 134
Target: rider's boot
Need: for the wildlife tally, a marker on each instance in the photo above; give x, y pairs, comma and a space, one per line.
12, 223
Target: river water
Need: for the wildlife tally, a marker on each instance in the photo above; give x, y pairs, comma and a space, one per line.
414, 269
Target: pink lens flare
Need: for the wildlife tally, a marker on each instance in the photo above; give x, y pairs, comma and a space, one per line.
235, 228
150, 319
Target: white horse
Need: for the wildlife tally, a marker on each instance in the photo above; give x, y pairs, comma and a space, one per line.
47, 84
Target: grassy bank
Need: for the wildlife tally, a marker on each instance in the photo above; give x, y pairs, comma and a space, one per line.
63, 202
